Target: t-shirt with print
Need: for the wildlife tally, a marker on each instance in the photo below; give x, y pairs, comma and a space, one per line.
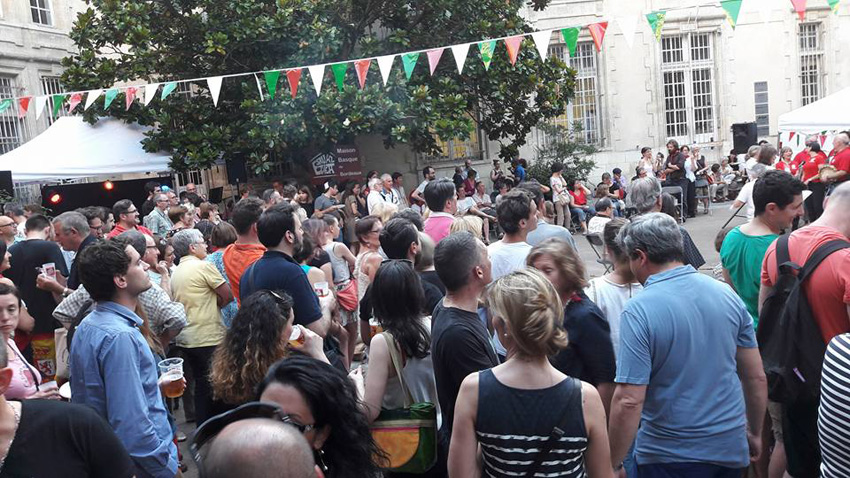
237, 258
193, 285
828, 289
694, 408
742, 257
507, 257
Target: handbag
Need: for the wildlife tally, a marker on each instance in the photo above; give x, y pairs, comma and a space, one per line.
408, 436
346, 296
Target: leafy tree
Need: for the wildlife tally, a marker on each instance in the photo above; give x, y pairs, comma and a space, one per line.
137, 41
566, 146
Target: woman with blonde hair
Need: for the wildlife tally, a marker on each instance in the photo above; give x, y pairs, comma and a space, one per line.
472, 224
384, 210
502, 413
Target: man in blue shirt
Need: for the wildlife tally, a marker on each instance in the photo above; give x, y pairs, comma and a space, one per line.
112, 367
688, 373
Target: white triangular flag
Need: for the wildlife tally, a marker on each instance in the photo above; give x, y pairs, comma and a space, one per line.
460, 52
214, 83
317, 74
150, 92
541, 41
628, 26
40, 101
259, 87
385, 64
92, 96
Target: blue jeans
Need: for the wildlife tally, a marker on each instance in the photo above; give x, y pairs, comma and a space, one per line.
583, 214
688, 470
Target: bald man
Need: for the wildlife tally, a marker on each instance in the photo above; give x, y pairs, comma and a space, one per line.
840, 158
260, 448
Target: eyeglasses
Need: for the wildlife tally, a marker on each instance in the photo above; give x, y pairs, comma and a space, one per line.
216, 424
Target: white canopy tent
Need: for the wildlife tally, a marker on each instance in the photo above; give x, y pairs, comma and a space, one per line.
72, 148
827, 114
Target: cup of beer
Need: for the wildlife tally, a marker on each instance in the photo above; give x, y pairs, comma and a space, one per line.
171, 371
322, 289
297, 337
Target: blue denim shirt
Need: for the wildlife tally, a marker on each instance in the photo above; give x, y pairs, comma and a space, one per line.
114, 371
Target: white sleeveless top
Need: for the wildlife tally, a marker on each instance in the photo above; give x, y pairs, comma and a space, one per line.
361, 278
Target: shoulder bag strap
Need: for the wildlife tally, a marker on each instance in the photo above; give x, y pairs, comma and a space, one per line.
394, 355
557, 431
820, 254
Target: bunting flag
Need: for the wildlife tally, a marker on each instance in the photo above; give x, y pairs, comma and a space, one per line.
571, 38
57, 103
167, 89
434, 59
108, 97
259, 87
834, 4
513, 45
487, 49
732, 8
339, 70
385, 64
541, 41
800, 8
408, 61
628, 27
40, 102
214, 84
317, 74
822, 139
294, 77
150, 92
656, 22
361, 67
271, 81
91, 97
5, 104
76, 99
597, 32
460, 52
129, 97
791, 135
23, 106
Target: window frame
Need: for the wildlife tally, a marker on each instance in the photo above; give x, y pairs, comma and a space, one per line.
762, 116
811, 91
46, 10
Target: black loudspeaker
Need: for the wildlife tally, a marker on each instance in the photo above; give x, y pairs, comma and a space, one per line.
6, 184
236, 172
744, 135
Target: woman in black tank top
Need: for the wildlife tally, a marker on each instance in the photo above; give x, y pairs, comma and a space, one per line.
525, 416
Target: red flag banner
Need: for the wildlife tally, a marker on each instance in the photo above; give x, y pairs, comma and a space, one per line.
800, 8
597, 32
129, 96
76, 99
294, 77
513, 44
23, 106
362, 69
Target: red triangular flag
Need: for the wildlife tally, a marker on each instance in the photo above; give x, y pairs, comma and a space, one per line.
800, 8
513, 44
791, 136
597, 31
362, 69
129, 96
23, 105
294, 77
822, 139
76, 98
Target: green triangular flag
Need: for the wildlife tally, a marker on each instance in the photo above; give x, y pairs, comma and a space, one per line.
656, 21
167, 89
339, 70
487, 49
271, 81
834, 4
5, 104
57, 103
571, 38
408, 60
108, 97
732, 8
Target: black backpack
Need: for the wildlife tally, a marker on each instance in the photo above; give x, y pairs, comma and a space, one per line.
790, 341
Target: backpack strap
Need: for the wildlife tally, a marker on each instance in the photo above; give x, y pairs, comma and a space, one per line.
557, 431
820, 254
783, 255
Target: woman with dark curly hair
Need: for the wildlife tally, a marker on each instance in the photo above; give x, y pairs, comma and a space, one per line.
257, 338
323, 399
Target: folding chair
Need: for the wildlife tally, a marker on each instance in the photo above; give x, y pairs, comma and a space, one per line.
595, 241
679, 196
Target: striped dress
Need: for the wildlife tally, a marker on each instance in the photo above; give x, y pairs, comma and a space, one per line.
513, 424
834, 411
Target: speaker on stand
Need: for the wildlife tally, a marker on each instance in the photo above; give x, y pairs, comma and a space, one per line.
744, 135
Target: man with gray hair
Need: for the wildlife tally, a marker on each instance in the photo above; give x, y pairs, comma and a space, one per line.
645, 196
73, 235
375, 196
840, 159
16, 212
157, 220
389, 194
690, 382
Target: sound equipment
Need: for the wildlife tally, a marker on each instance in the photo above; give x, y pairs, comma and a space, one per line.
216, 195
6, 184
744, 135
236, 171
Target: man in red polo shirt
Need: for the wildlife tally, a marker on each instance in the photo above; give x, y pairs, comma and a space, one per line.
828, 292
127, 218
840, 158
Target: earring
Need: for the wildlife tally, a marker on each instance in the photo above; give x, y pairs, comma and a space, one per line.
320, 460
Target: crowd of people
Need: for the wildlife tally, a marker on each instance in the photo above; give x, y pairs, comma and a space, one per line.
299, 325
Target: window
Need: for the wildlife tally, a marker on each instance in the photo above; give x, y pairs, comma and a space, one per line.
762, 115
811, 62
584, 107
193, 176
13, 131
459, 149
687, 73
50, 85
40, 10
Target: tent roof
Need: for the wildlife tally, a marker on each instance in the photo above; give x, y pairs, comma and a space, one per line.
827, 114
72, 148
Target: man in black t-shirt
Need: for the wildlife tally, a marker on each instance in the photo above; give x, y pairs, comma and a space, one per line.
674, 168
460, 343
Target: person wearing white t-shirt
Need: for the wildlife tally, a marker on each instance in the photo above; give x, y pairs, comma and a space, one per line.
417, 197
611, 291
604, 211
745, 196
467, 205
374, 197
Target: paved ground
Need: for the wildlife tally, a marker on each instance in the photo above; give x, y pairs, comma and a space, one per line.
702, 229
